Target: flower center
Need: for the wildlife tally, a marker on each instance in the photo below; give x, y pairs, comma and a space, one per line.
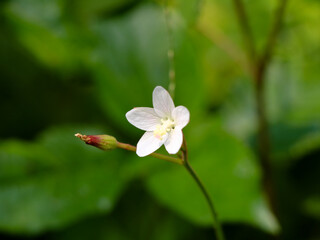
165, 127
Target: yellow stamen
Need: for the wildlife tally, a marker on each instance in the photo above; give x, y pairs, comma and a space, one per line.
165, 127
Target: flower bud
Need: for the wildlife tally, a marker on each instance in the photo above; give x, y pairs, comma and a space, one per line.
104, 142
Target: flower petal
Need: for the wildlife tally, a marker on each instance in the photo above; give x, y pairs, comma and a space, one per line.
148, 143
181, 116
143, 118
162, 102
174, 141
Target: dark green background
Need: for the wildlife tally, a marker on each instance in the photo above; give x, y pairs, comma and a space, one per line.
78, 66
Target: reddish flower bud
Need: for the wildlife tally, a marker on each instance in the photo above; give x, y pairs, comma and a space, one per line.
104, 142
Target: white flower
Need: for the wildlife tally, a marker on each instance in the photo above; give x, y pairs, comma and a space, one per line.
163, 123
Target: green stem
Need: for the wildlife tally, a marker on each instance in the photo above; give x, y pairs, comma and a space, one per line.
156, 155
184, 161
172, 72
216, 224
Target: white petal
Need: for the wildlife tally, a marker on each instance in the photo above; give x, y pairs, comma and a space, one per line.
174, 141
148, 143
162, 102
181, 116
143, 118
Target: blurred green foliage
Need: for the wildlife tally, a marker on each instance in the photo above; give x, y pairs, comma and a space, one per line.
79, 66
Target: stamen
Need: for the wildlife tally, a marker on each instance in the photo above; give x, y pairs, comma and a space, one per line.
165, 127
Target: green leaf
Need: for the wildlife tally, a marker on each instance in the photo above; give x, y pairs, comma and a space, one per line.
312, 206
56, 32
39, 22
137, 216
56, 181
231, 175
84, 11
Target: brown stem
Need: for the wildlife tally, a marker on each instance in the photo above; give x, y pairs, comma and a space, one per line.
264, 144
246, 33
263, 131
271, 42
258, 67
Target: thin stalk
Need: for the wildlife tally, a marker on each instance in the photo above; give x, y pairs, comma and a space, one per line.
216, 223
156, 155
172, 72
